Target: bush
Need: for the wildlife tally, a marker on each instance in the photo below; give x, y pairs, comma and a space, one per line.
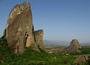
85, 50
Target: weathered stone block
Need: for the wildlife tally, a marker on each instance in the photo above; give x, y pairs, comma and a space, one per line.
39, 38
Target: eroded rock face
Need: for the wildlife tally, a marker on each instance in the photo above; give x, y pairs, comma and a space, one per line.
18, 26
39, 38
81, 59
73, 47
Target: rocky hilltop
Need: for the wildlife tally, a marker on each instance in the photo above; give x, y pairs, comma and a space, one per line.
20, 32
73, 47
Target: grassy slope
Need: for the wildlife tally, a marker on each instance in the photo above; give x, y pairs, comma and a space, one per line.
31, 57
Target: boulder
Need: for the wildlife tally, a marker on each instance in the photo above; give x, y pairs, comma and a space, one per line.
19, 27
39, 38
81, 59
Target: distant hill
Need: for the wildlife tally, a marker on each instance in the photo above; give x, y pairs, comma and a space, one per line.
54, 44
85, 44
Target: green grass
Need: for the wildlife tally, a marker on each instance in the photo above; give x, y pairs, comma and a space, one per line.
31, 57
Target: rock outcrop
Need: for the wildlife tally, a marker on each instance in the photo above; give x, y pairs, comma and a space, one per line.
73, 47
20, 30
39, 38
4, 33
81, 59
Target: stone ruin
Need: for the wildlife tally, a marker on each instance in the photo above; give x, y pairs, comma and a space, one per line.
20, 32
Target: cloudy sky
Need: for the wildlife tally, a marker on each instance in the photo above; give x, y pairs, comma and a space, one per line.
61, 20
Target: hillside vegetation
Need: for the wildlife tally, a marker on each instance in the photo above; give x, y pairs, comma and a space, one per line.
31, 57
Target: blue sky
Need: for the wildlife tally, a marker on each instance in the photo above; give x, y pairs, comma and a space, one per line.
61, 20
